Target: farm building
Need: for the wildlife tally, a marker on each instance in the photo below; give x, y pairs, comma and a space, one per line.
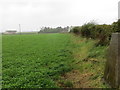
10, 32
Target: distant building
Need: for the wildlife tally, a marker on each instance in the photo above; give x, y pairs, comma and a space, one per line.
10, 32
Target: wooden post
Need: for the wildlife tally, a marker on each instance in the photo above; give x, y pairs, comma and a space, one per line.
112, 69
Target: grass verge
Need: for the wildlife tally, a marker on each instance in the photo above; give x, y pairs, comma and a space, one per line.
88, 64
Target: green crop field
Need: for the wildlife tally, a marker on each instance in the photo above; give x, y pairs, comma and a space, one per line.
35, 61
51, 61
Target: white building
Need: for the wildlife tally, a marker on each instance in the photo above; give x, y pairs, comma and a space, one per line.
10, 32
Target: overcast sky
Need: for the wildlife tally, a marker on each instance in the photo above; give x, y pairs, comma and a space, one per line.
33, 14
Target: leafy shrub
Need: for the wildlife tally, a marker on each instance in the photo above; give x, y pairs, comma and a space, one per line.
76, 30
86, 29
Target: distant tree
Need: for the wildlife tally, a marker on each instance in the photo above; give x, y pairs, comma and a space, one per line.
53, 30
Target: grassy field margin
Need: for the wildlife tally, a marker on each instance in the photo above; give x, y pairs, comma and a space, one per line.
88, 64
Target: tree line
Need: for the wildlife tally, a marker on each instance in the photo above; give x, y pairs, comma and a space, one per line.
54, 30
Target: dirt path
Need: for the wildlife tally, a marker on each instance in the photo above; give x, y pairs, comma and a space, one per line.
77, 79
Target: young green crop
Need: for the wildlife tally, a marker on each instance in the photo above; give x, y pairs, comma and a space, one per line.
35, 61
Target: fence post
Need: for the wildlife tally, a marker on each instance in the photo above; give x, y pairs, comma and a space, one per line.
112, 68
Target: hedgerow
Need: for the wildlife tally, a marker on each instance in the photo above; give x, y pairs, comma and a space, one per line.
95, 31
